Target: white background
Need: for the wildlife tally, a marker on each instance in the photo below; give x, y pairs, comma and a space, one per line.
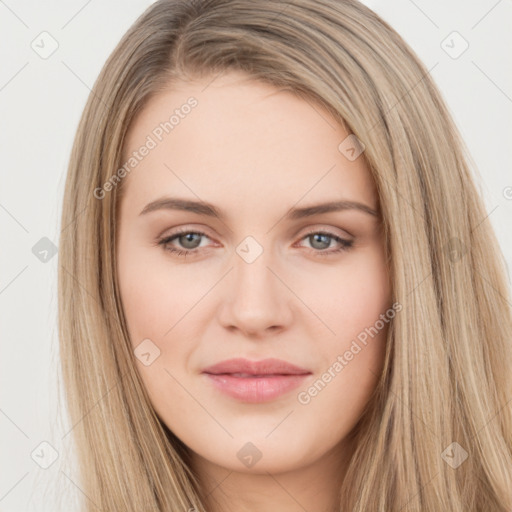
40, 104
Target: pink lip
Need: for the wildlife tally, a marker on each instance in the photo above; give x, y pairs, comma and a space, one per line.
255, 381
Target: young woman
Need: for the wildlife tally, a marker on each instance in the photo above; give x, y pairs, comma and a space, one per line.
279, 289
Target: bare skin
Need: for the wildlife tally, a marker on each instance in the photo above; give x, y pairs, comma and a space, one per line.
254, 153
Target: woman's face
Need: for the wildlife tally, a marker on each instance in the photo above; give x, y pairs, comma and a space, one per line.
264, 279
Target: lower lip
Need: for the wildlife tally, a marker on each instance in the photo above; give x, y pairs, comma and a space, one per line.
256, 389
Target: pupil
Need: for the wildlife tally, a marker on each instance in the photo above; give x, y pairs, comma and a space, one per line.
189, 238
319, 236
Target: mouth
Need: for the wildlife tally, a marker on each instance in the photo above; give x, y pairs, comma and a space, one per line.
255, 381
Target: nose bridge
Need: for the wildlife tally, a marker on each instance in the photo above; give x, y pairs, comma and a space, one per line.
257, 298
251, 272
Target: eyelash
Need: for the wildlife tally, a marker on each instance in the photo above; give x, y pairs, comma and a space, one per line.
345, 244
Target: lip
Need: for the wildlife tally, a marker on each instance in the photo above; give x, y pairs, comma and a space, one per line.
255, 381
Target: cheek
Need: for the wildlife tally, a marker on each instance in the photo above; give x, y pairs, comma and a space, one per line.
351, 296
156, 298
156, 293
355, 304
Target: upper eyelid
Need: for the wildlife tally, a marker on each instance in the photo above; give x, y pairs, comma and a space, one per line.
203, 232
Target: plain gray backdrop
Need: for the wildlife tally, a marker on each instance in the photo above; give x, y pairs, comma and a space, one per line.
42, 95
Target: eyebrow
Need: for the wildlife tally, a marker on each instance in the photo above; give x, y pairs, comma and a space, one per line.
207, 209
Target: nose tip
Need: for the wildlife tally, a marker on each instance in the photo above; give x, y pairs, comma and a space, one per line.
256, 301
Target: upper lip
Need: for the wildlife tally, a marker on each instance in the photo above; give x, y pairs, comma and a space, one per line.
262, 367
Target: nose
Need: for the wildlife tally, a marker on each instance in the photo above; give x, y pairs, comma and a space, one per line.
255, 300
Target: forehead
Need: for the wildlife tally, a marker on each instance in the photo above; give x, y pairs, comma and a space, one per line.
234, 139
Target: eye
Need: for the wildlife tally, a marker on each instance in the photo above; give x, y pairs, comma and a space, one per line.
190, 242
322, 240
189, 239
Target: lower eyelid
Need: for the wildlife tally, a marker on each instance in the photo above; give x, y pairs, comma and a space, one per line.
342, 242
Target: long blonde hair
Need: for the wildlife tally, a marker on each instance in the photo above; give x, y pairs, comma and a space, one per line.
447, 375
